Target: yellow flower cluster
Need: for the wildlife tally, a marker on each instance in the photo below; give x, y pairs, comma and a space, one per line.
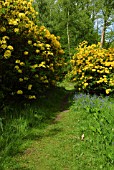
31, 50
6, 48
92, 68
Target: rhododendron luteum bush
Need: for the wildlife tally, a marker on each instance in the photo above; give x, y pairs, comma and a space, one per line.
29, 54
92, 69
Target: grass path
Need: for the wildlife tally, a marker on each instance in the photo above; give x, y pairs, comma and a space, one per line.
56, 150
76, 137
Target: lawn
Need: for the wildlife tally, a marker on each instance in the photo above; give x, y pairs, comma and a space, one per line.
63, 130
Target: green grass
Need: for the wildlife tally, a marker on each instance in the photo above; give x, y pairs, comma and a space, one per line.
35, 138
23, 122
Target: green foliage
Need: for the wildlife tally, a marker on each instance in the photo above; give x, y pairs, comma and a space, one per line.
29, 54
80, 24
92, 69
97, 125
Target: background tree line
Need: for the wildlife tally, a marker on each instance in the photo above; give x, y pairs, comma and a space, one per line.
78, 20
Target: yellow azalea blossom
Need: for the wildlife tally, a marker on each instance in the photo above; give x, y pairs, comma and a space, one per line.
2, 29
22, 63
35, 44
105, 80
10, 47
34, 66
19, 71
4, 42
29, 42
20, 79
17, 61
85, 84
13, 22
42, 64
91, 65
4, 46
46, 81
61, 51
32, 97
16, 67
29, 86
37, 51
25, 78
93, 70
7, 54
19, 92
26, 53
21, 15
48, 45
108, 91
107, 63
74, 79
16, 29
50, 53
36, 75
5, 37
107, 71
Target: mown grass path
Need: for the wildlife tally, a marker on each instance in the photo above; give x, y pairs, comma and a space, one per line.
78, 136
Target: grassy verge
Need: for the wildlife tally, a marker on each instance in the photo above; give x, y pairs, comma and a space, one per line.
22, 123
82, 137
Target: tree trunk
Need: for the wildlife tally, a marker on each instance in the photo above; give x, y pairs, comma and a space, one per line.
103, 37
68, 35
103, 34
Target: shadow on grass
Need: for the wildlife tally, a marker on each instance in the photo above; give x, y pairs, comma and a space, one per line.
44, 109
24, 121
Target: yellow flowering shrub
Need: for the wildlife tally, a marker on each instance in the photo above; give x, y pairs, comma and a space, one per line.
92, 69
29, 54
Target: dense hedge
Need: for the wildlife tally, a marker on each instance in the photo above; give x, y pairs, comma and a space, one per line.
92, 69
30, 57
